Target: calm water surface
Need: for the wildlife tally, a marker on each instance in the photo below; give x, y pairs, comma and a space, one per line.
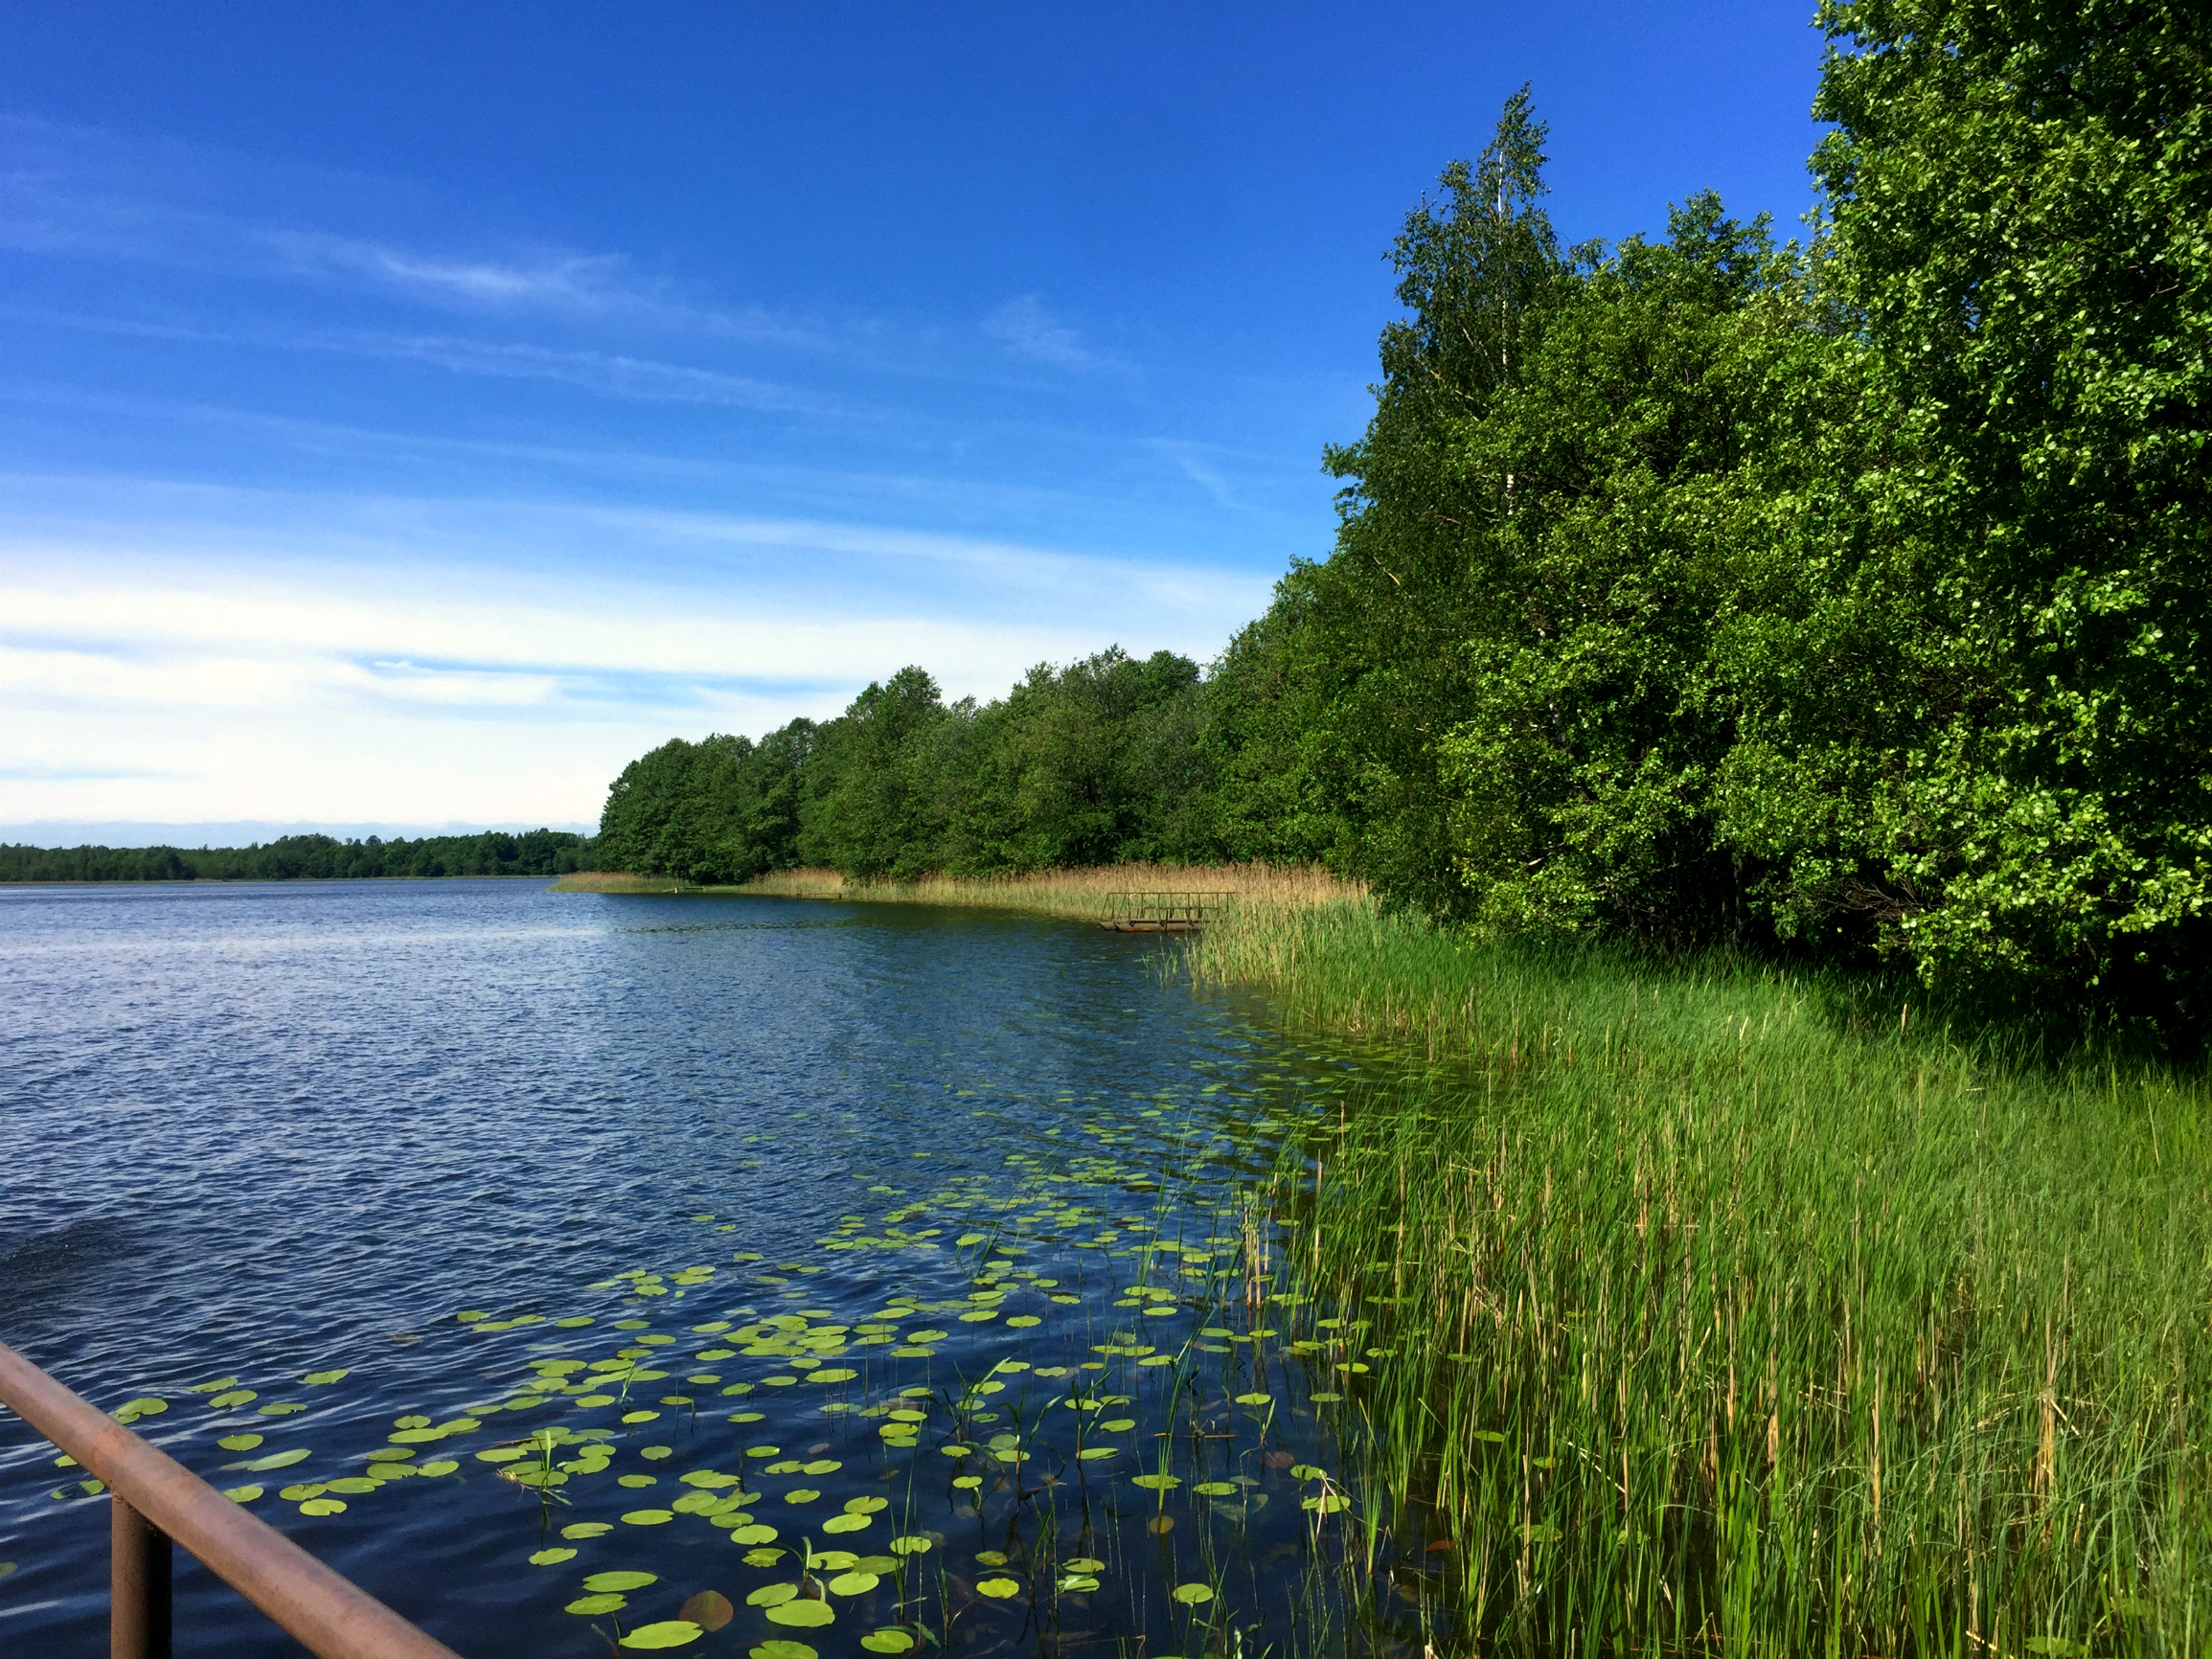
976, 1169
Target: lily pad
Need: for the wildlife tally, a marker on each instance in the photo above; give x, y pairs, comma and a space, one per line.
913, 1544
236, 1397
551, 1557
588, 1605
666, 1633
239, 1442
323, 1378
834, 1374
772, 1595
887, 1641
853, 1583
806, 1615
1192, 1595
323, 1507
1254, 1398
753, 1535
649, 1517
848, 1523
243, 1494
620, 1580
588, 1530
777, 1649
442, 1466
280, 1460
998, 1589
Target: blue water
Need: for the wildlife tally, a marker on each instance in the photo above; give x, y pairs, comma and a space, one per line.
258, 1132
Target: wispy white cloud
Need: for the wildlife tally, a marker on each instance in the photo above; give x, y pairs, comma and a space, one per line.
1189, 460
83, 193
1026, 329
556, 279
613, 373
537, 282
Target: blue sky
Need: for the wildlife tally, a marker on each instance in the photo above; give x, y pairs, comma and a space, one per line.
410, 413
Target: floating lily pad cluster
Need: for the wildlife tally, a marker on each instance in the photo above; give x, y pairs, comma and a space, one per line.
1150, 1367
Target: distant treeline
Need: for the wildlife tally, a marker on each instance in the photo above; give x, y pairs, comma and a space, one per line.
308, 858
1849, 599
1100, 762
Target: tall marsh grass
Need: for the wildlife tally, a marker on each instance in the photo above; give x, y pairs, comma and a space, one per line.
1713, 1318
1086, 894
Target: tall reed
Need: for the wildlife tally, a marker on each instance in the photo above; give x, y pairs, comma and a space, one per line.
1708, 1322
1090, 894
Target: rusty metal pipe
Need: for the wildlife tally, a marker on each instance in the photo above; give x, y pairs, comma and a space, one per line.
138, 1585
326, 1613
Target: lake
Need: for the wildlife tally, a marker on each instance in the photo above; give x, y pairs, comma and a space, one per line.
837, 1278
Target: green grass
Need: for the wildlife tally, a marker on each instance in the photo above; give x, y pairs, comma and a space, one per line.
1725, 1312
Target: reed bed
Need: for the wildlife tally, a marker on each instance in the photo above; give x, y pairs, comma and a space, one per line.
1087, 894
617, 881
1707, 1317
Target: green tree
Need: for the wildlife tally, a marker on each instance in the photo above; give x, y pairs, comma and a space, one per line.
872, 805
1383, 672
2022, 201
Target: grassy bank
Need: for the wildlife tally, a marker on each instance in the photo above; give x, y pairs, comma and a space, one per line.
1720, 1317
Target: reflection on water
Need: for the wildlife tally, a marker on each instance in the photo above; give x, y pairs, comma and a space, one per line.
747, 1275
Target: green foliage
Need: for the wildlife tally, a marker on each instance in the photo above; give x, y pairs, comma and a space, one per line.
1384, 622
1850, 600
871, 806
722, 810
308, 858
2023, 199
1100, 762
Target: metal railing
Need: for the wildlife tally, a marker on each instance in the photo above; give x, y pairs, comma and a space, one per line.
156, 1499
1161, 912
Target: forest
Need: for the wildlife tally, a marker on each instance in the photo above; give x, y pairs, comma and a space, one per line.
1842, 597
298, 858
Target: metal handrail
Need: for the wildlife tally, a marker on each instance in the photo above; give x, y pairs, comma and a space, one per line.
157, 1499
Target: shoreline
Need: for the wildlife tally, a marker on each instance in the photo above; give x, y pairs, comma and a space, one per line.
1081, 895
